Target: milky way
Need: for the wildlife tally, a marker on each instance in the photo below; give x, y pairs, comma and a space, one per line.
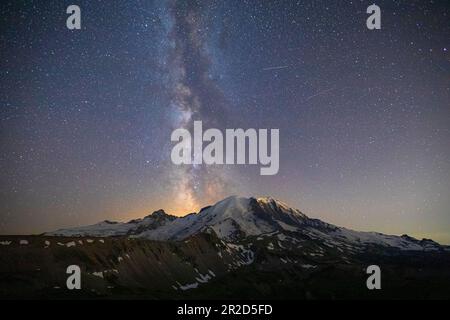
194, 95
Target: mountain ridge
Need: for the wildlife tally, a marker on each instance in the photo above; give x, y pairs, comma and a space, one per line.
236, 218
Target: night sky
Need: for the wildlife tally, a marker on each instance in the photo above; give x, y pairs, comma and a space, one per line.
86, 115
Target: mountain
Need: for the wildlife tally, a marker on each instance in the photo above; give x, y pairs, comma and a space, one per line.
236, 218
254, 248
112, 228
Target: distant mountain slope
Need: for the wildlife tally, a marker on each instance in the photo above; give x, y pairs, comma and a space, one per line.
112, 228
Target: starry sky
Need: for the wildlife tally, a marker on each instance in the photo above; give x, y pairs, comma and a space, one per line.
86, 115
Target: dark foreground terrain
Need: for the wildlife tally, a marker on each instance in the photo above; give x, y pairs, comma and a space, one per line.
205, 267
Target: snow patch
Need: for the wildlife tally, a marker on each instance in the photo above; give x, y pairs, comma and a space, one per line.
71, 244
286, 226
188, 286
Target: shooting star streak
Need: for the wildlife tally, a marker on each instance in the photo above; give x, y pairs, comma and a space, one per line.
318, 94
275, 68
323, 92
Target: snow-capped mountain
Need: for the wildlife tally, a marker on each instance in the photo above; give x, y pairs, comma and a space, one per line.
237, 248
231, 219
236, 218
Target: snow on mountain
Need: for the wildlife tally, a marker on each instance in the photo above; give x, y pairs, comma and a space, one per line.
232, 218
226, 218
112, 228
342, 237
235, 218
104, 228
